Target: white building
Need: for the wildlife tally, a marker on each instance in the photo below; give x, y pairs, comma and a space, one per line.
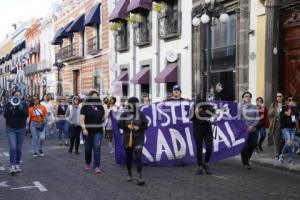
154, 53
19, 54
47, 59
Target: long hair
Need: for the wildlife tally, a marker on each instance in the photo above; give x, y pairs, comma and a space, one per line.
133, 104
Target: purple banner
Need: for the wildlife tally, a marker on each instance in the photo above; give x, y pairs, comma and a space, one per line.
169, 138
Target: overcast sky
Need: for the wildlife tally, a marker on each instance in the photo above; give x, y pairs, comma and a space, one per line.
12, 11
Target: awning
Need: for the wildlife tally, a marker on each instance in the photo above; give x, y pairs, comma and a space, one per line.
143, 77
120, 11
136, 5
77, 25
123, 77
93, 16
168, 75
56, 40
65, 33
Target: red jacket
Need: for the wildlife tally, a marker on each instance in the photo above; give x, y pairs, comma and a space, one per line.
264, 119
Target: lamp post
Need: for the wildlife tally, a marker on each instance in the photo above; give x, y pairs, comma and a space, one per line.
208, 13
59, 64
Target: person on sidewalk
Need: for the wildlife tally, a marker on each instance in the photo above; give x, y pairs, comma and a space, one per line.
289, 125
275, 135
202, 130
134, 124
176, 94
62, 123
250, 116
91, 120
15, 116
263, 123
37, 118
73, 117
108, 127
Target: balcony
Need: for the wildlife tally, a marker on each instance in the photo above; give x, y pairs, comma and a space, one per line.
142, 33
94, 45
122, 39
169, 24
44, 66
69, 53
30, 69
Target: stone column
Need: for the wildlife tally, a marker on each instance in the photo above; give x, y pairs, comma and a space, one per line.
272, 43
242, 48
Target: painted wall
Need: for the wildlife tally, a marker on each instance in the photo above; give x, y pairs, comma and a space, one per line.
257, 49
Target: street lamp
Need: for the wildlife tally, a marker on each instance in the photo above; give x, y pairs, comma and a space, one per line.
208, 13
59, 64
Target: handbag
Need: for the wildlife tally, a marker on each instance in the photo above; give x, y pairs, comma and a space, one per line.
40, 125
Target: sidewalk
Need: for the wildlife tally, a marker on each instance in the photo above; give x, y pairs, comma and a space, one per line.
267, 158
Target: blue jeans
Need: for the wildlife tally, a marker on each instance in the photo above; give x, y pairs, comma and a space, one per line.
15, 139
38, 137
262, 135
93, 143
289, 136
63, 129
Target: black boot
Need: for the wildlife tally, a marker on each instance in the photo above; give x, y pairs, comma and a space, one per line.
199, 171
140, 180
207, 169
129, 178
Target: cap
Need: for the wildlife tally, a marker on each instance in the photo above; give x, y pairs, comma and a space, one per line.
176, 87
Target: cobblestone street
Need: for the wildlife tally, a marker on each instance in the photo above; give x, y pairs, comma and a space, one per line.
63, 176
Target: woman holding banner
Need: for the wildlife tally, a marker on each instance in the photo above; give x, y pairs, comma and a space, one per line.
202, 129
134, 123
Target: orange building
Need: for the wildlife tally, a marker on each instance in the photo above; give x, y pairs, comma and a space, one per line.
33, 78
82, 46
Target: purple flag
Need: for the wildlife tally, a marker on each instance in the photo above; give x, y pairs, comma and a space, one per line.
169, 138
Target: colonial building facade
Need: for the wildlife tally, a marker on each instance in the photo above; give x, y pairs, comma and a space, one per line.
82, 46
229, 51
152, 48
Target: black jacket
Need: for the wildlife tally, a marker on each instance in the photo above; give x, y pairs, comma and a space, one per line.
200, 114
286, 121
141, 121
16, 115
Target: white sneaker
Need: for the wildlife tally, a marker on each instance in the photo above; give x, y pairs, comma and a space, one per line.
281, 159
12, 170
18, 169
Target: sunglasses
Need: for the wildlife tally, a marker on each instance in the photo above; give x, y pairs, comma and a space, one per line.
290, 99
279, 96
247, 96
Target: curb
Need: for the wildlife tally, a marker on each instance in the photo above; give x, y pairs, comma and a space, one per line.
276, 166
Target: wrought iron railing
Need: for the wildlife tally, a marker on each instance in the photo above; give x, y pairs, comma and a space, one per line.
170, 24
122, 39
70, 52
142, 33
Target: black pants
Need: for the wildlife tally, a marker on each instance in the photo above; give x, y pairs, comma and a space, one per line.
250, 145
138, 157
75, 137
203, 133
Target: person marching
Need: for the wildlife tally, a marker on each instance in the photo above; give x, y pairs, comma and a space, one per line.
91, 120
73, 116
250, 116
274, 129
263, 123
50, 118
15, 114
289, 125
111, 110
134, 123
62, 123
37, 118
202, 129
